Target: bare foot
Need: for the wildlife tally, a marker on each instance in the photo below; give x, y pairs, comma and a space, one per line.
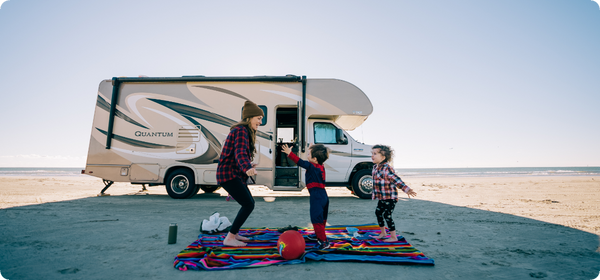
380, 236
232, 242
243, 238
391, 239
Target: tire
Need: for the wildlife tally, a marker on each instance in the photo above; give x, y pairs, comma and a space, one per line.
181, 184
362, 183
209, 188
192, 194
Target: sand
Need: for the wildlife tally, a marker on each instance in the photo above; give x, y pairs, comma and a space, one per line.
502, 228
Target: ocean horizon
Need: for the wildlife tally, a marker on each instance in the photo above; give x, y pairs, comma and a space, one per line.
402, 172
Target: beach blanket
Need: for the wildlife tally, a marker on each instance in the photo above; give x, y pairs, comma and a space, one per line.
208, 252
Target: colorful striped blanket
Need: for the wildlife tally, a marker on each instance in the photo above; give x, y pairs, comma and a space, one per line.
208, 252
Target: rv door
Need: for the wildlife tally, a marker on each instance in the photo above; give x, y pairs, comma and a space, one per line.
301, 127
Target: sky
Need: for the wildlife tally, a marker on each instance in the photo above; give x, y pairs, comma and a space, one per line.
453, 83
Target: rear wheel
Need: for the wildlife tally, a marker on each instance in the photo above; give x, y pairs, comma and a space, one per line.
362, 183
209, 188
192, 194
181, 184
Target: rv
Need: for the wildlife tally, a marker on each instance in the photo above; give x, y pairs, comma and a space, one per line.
170, 131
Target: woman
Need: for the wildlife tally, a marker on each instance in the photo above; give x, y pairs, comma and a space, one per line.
235, 166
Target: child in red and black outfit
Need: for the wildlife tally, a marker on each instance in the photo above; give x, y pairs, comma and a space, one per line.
315, 182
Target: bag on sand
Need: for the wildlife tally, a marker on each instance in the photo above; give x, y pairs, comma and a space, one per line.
215, 224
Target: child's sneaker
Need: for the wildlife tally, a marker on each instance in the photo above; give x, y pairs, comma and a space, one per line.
322, 245
312, 237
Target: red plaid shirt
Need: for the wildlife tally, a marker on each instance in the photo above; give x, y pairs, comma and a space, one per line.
235, 156
384, 182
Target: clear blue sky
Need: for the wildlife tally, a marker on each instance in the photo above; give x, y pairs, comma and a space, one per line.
453, 83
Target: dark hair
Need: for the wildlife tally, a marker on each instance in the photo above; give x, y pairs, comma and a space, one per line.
386, 151
251, 135
320, 152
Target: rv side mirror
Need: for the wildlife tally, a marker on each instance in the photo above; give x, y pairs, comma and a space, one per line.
341, 138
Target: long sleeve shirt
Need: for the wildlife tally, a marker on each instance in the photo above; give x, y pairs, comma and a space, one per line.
385, 182
235, 156
315, 173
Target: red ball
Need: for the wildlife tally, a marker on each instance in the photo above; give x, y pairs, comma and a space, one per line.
291, 245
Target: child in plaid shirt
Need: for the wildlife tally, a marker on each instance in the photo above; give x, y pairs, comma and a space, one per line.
385, 182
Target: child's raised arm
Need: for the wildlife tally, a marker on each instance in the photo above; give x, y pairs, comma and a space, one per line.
287, 150
302, 163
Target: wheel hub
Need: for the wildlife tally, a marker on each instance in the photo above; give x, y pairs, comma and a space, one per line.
366, 184
179, 184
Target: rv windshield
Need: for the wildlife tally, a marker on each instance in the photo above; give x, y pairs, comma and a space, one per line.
327, 133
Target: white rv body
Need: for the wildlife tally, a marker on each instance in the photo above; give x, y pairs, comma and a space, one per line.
150, 130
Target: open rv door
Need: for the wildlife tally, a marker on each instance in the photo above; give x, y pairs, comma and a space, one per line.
300, 144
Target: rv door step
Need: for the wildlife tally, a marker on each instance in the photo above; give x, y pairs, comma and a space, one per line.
287, 188
286, 171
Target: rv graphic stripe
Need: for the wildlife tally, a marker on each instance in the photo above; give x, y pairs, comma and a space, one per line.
104, 105
209, 136
186, 110
214, 150
183, 109
137, 143
344, 154
226, 91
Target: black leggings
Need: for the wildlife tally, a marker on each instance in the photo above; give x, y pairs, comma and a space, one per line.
240, 192
384, 211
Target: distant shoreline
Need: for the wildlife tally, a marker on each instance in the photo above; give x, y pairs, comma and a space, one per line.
402, 172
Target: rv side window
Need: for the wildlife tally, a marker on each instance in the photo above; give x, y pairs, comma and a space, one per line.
285, 135
327, 133
264, 109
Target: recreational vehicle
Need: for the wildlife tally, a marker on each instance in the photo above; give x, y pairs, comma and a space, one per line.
169, 131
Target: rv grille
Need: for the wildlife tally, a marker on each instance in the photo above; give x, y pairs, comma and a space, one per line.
188, 135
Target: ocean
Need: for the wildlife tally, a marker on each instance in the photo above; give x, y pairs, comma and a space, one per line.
40, 171
402, 172
498, 171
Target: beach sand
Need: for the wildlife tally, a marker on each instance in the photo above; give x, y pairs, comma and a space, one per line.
502, 228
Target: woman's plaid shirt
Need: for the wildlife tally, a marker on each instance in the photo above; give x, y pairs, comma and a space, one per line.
385, 182
235, 158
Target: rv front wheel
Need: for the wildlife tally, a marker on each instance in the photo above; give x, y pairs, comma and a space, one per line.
180, 184
362, 183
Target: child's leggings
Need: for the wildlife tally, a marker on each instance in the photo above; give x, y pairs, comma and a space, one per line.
384, 211
319, 207
240, 192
